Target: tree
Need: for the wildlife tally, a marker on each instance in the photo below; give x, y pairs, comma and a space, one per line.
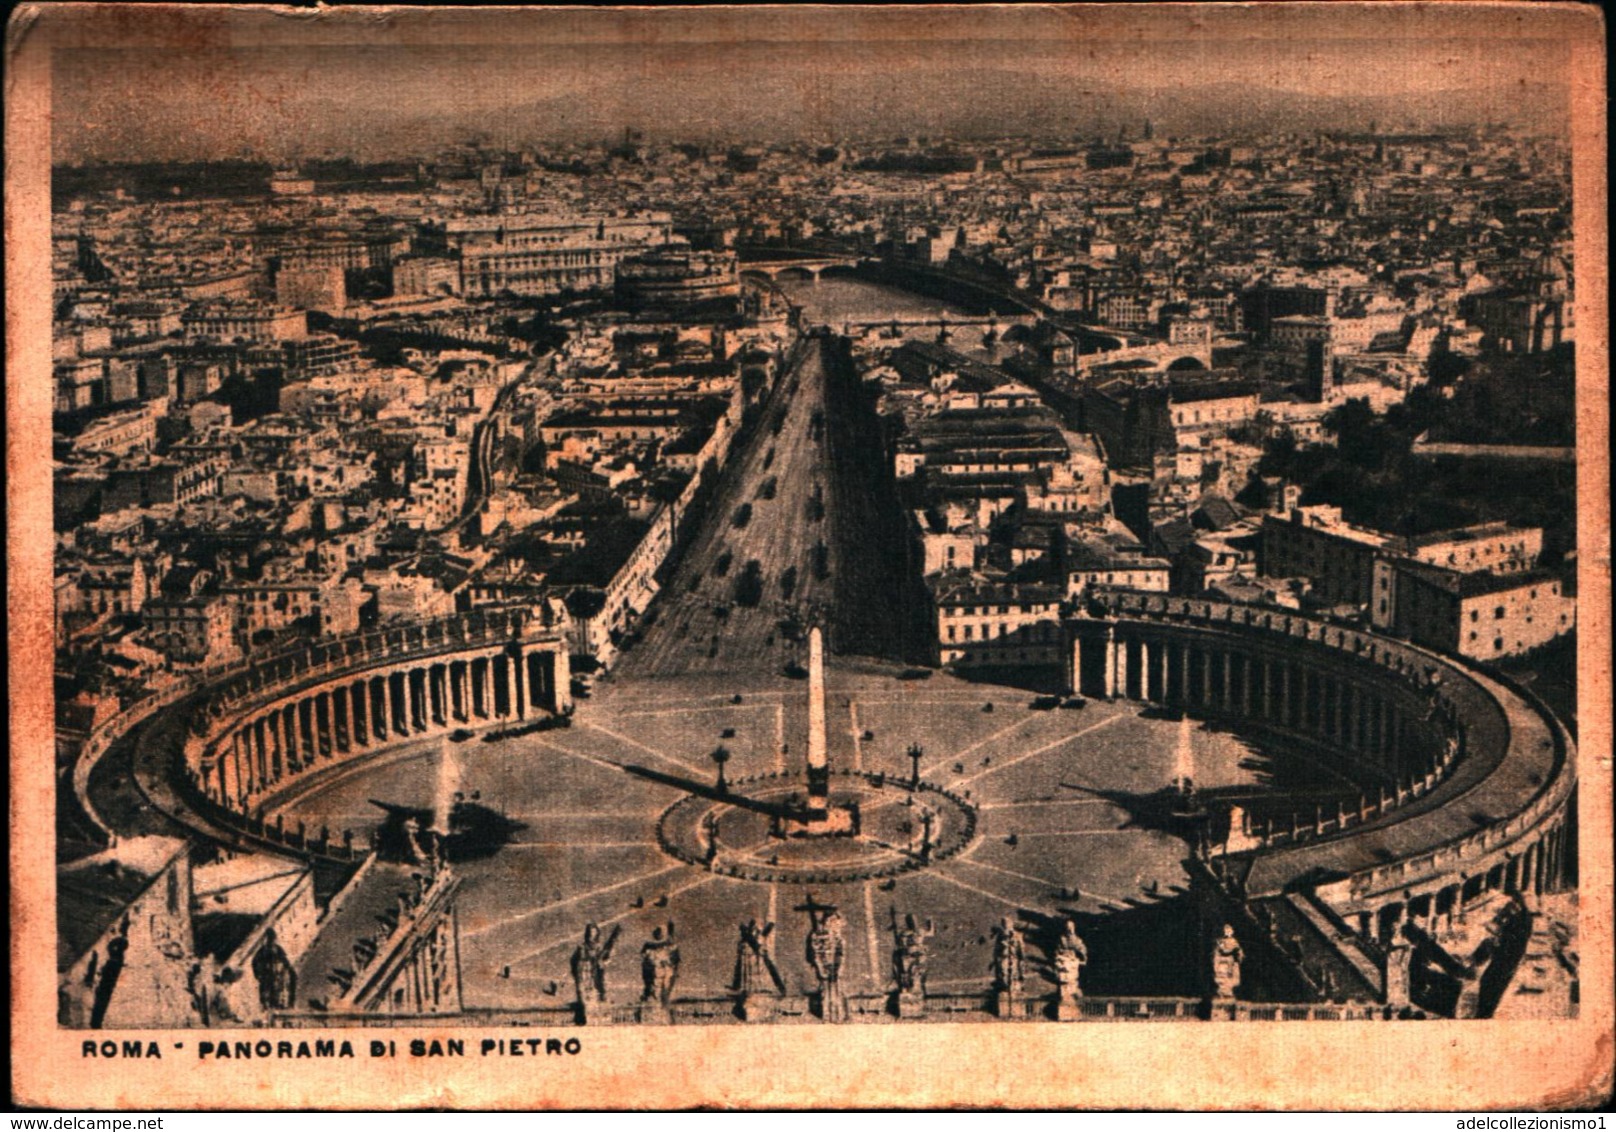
749, 586
720, 756
1351, 422
585, 602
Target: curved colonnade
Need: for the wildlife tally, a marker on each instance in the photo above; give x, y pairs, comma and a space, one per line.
279, 726
1465, 783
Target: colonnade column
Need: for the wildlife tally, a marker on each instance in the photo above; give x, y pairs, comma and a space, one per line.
269, 735
498, 684
238, 759
1110, 664
415, 696
474, 683
518, 683
260, 738
398, 689
359, 712
235, 786
395, 710
289, 729
316, 728
232, 768
380, 709
280, 747
540, 687
1551, 868
327, 726
290, 725
341, 728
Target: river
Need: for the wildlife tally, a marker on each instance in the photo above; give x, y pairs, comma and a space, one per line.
837, 300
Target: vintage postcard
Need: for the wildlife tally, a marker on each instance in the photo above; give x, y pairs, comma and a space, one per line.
1048, 556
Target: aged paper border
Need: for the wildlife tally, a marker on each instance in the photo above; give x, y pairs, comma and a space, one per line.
1431, 1065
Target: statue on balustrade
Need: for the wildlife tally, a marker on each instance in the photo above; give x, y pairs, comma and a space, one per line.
757, 980
755, 972
1227, 956
909, 957
409, 844
1069, 957
1009, 956
277, 980
826, 951
589, 963
1399, 957
659, 967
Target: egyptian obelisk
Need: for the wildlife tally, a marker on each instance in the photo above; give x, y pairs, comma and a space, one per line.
818, 758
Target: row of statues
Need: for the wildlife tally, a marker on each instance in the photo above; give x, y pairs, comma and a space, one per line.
757, 979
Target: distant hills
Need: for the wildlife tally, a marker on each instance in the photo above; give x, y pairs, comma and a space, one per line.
797, 103
978, 103
971, 105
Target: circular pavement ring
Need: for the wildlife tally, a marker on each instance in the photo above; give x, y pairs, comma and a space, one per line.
890, 824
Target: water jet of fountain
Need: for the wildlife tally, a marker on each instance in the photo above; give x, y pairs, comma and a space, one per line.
1184, 771
448, 779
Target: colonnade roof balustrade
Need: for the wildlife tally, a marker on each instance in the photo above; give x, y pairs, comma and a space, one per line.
273, 677
1517, 773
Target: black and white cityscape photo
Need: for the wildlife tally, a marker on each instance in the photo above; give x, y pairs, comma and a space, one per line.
844, 520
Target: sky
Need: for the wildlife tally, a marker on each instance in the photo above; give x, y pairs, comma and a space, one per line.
580, 80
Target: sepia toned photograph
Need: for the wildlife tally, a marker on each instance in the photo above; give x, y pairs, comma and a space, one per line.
906, 538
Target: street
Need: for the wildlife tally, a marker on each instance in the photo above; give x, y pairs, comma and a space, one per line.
702, 621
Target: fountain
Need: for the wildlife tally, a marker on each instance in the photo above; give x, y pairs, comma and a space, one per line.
443, 799
1184, 769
